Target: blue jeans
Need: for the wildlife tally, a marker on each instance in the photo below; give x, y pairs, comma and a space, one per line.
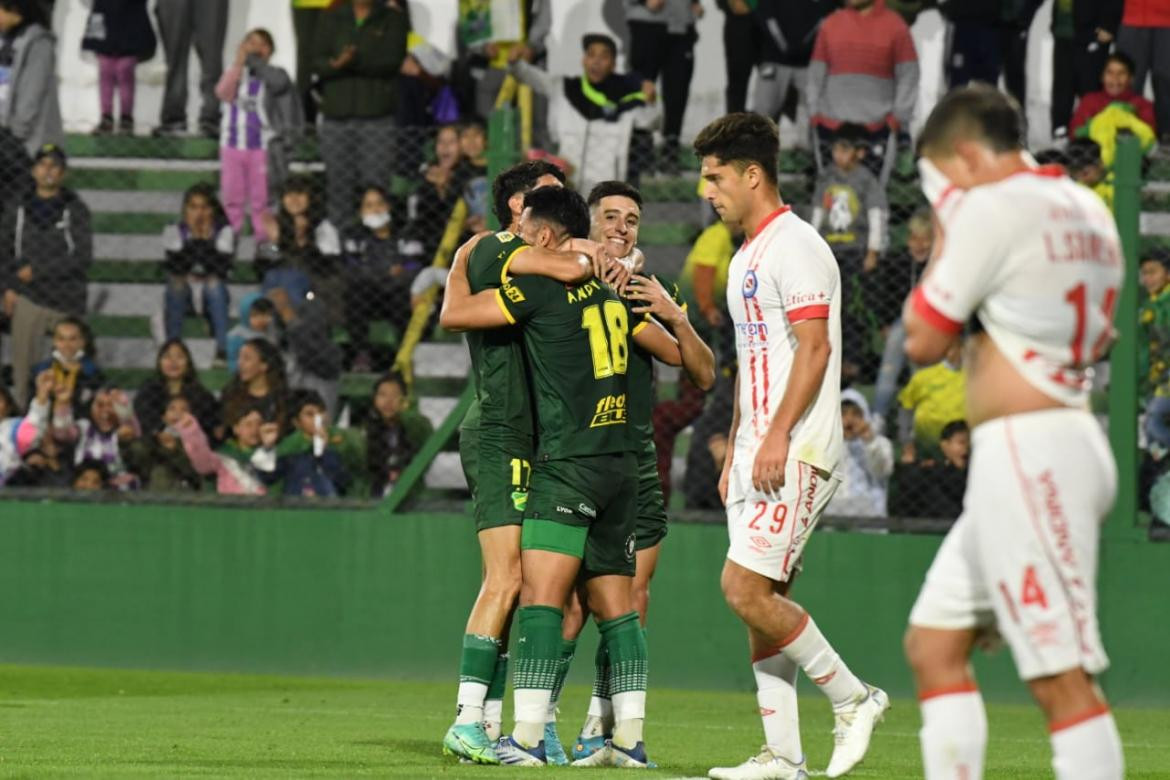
1156, 428
893, 359
178, 302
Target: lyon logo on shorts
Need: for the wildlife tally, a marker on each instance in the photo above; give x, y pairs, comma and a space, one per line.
750, 284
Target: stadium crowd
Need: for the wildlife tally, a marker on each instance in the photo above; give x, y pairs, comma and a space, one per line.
401, 130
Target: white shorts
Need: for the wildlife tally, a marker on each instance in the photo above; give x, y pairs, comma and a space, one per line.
767, 535
1022, 558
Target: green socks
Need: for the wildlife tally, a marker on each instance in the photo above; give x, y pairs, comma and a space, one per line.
538, 662
625, 643
568, 649
477, 665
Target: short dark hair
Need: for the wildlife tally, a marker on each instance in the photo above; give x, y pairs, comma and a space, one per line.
589, 39
262, 306
1121, 58
471, 123
392, 377
265, 36
559, 206
607, 189
742, 139
368, 188
1052, 157
953, 427
300, 398
1157, 254
850, 133
976, 112
91, 464
1081, 153
520, 178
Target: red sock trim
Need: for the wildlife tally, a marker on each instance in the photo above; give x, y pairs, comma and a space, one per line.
1076, 720
949, 690
796, 632
779, 646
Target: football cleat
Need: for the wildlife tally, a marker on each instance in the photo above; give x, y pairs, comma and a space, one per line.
554, 751
766, 765
469, 742
610, 754
587, 746
512, 753
854, 727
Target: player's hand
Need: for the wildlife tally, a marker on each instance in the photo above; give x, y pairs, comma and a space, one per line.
768, 470
653, 299
635, 260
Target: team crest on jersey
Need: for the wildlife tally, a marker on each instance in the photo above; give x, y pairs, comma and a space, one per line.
750, 284
505, 236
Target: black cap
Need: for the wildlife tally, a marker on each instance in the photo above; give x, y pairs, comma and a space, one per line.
50, 150
589, 39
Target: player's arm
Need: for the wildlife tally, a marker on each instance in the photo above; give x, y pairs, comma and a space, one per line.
652, 298
464, 311
577, 261
653, 338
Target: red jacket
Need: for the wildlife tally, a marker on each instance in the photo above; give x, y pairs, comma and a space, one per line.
1096, 102
1146, 13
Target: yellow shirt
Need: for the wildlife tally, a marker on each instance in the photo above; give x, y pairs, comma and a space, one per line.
713, 248
938, 395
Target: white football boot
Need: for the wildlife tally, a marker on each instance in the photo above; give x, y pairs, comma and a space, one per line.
855, 725
765, 766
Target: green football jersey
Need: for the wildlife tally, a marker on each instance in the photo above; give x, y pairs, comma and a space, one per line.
641, 378
577, 338
502, 393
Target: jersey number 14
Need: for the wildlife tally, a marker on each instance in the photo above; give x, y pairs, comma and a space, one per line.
1077, 298
607, 337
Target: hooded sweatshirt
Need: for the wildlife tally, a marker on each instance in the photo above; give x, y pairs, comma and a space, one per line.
867, 466
55, 237
28, 87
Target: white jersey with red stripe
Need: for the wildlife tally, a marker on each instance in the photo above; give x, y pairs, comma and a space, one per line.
783, 275
1037, 258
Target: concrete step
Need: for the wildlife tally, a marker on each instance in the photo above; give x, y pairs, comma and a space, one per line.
115, 201
144, 300
148, 247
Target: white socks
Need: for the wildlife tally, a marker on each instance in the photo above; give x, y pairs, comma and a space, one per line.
599, 718
776, 694
470, 702
531, 711
954, 733
808, 649
493, 716
629, 712
1087, 748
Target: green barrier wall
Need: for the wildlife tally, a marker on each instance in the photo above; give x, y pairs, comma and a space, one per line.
355, 592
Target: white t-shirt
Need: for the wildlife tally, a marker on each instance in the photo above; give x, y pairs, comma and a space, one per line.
783, 275
1037, 257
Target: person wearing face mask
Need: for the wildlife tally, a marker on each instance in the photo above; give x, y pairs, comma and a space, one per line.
76, 377
377, 277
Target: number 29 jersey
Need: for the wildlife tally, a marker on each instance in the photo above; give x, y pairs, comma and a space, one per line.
1037, 258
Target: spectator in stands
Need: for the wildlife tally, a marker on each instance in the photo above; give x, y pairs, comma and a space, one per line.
101, 436
489, 35
159, 458
20, 434
1085, 166
46, 247
28, 76
740, 51
181, 23
199, 248
1082, 32
377, 277
662, 43
864, 69
307, 462
259, 381
1145, 36
785, 36
709, 449
934, 396
91, 476
1154, 346
76, 376
430, 204
234, 465
472, 173
867, 463
425, 98
120, 34
394, 434
314, 359
705, 274
261, 122
44, 466
989, 39
257, 321
174, 377
307, 16
360, 48
1116, 87
934, 488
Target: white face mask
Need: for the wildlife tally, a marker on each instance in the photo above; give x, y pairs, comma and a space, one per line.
60, 357
376, 221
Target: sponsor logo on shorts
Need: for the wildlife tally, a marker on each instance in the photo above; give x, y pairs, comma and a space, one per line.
512, 293
586, 510
610, 410
519, 500
751, 284
1046, 634
564, 510
630, 542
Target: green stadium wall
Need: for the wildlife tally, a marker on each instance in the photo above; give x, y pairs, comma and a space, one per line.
363, 593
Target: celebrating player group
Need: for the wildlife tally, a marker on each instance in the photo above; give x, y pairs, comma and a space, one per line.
563, 329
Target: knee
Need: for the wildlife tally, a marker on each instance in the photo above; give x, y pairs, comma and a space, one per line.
737, 591
935, 657
177, 285
503, 583
640, 595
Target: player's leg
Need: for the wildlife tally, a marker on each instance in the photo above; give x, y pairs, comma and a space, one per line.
576, 611
647, 563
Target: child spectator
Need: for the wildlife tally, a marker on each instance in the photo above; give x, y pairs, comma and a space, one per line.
934, 396
868, 462
1116, 87
931, 488
91, 476
1086, 168
394, 434
120, 34
19, 435
174, 376
257, 321
199, 248
429, 207
29, 108
72, 364
110, 427
234, 465
261, 121
45, 466
259, 380
472, 174
314, 359
1154, 346
159, 457
307, 462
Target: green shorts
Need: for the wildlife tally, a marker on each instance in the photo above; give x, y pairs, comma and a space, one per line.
586, 507
497, 465
650, 527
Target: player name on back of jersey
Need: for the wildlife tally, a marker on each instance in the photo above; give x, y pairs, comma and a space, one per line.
1081, 246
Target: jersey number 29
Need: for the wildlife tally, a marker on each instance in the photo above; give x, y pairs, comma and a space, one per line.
607, 338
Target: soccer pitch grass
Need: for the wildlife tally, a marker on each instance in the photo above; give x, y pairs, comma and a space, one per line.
113, 723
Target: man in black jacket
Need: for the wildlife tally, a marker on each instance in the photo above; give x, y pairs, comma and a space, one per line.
787, 32
1082, 34
46, 246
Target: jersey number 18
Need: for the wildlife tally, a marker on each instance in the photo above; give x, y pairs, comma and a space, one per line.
607, 338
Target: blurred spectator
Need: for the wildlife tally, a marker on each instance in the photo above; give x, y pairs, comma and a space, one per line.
864, 70
314, 359
424, 96
705, 274
261, 122
174, 377
1154, 346
934, 488
159, 458
76, 376
257, 321
234, 464
989, 39
21, 434
867, 463
472, 173
934, 396
199, 248
307, 462
46, 247
259, 382
181, 23
786, 34
593, 117
709, 446
430, 204
377, 278
1145, 36
1086, 167
307, 17
90, 476
489, 35
101, 436
740, 51
44, 466
1082, 31
120, 34
28, 76
662, 43
360, 48
669, 418
1116, 87
394, 434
